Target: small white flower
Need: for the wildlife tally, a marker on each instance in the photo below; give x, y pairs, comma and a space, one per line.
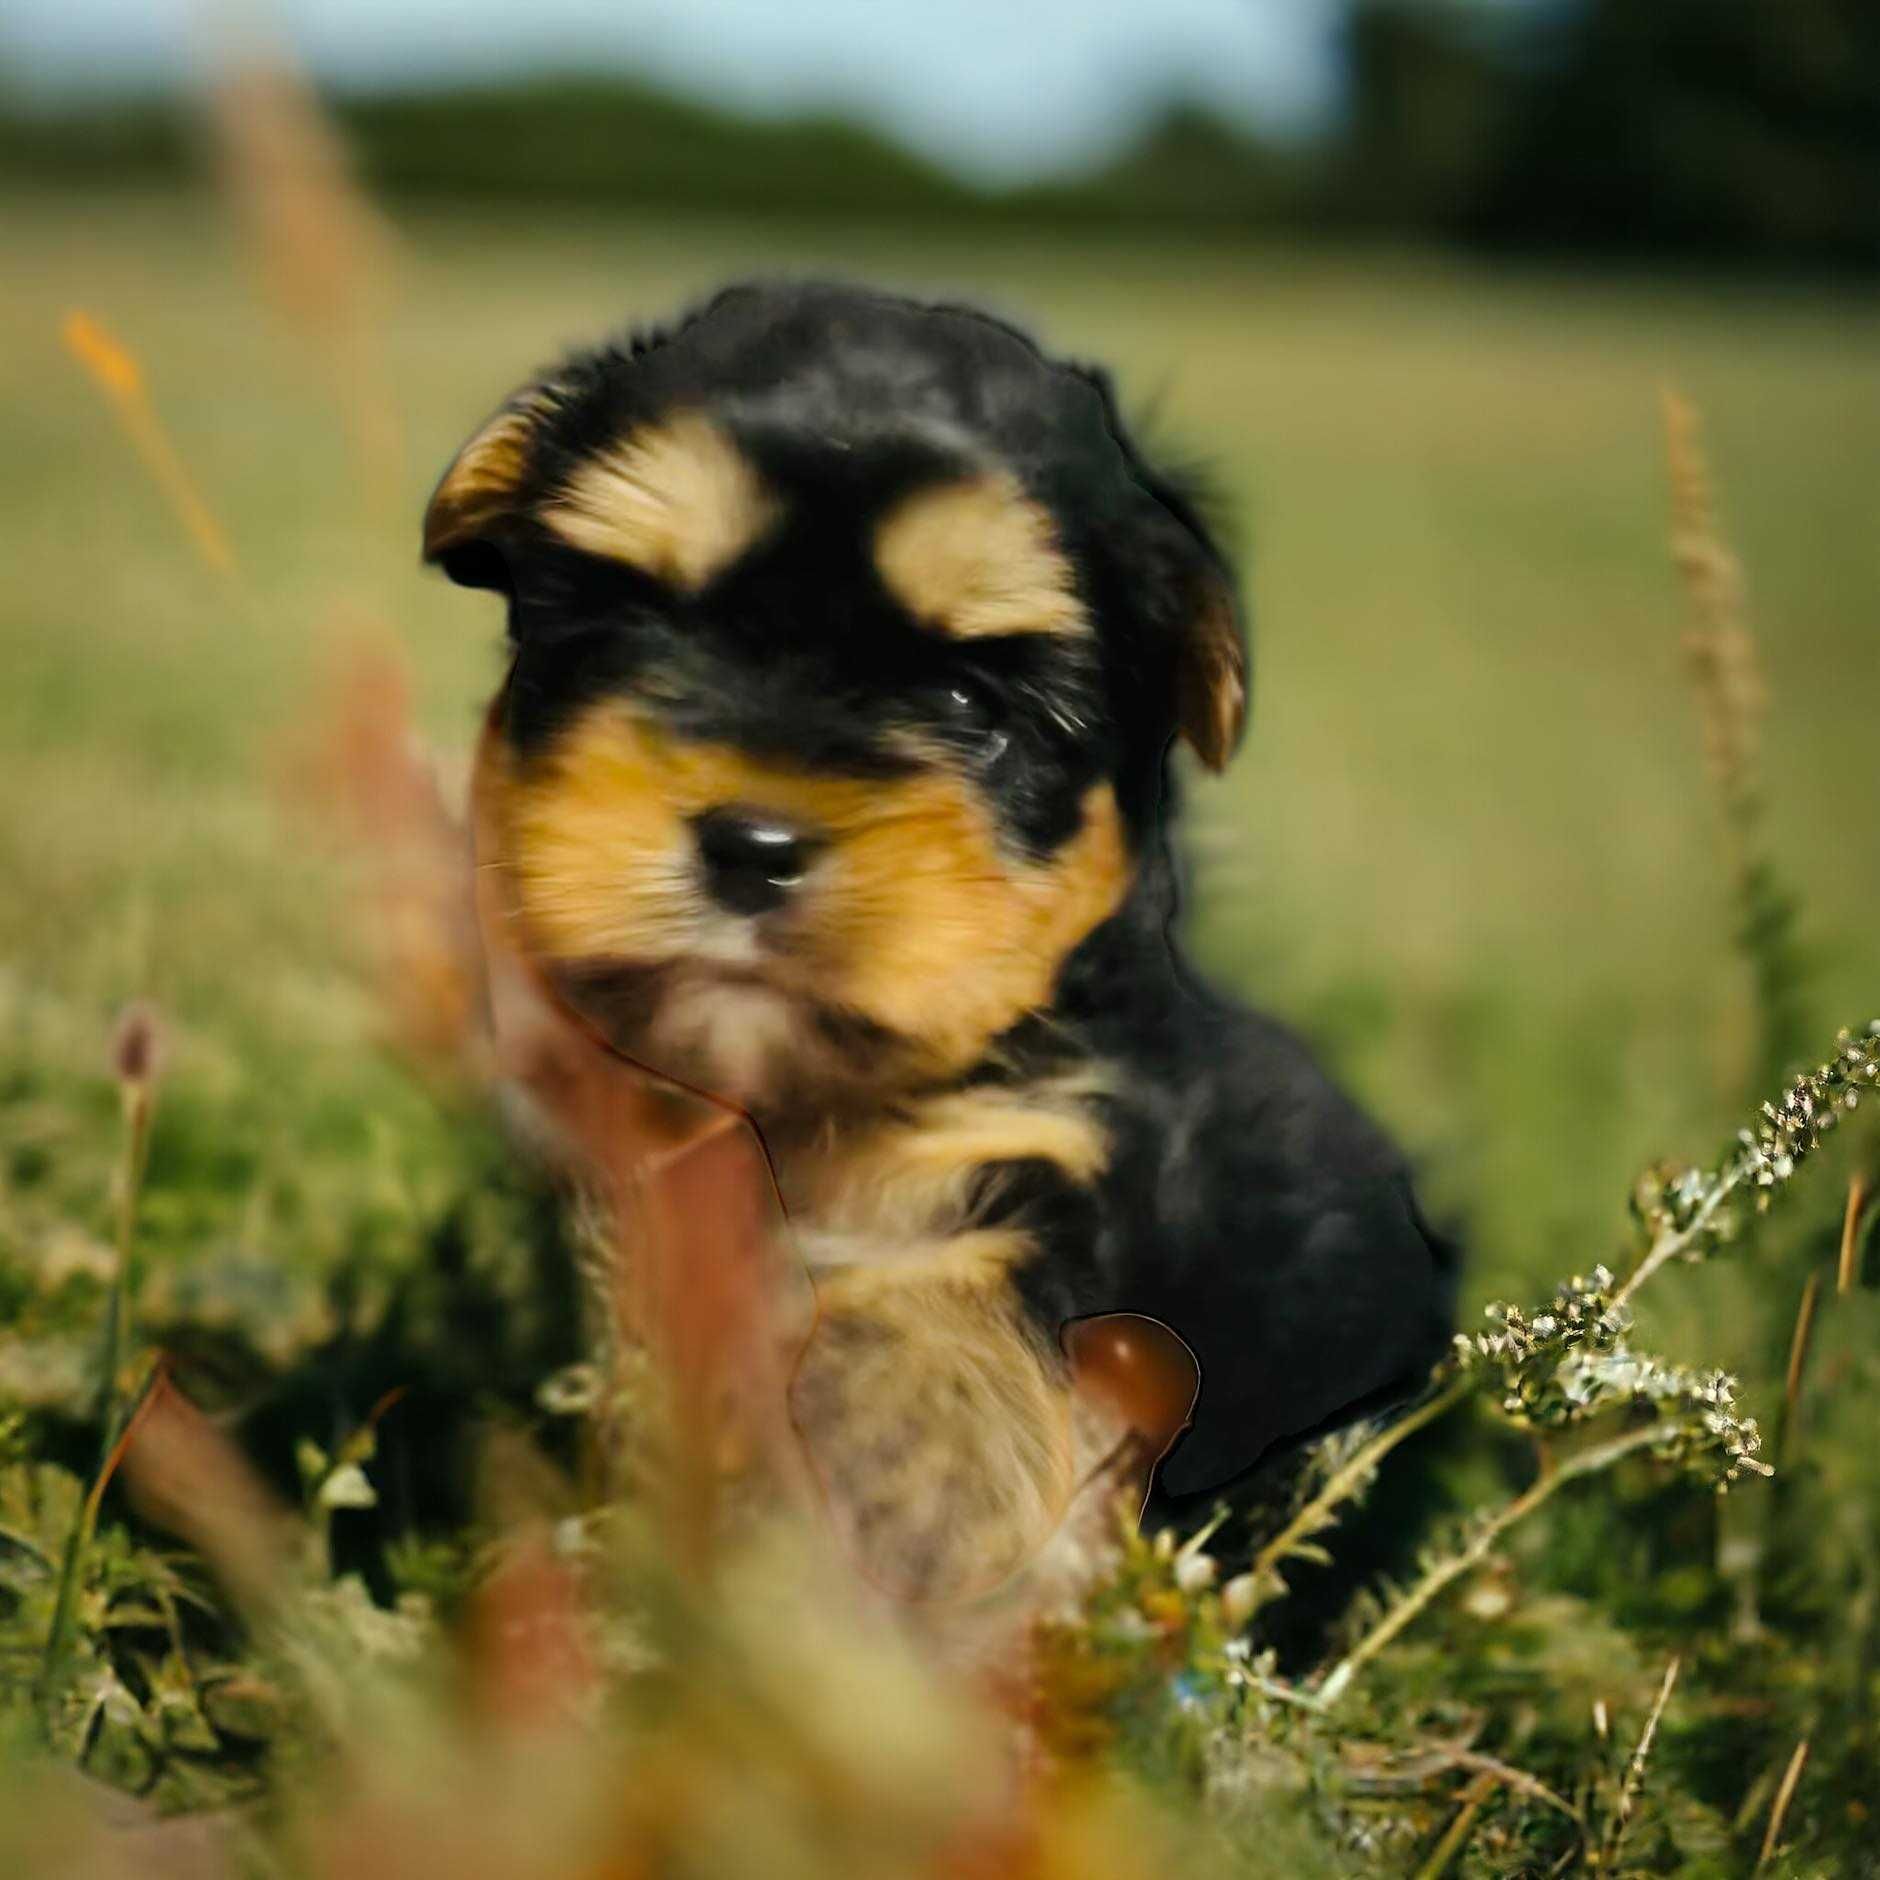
347, 1487
1194, 1571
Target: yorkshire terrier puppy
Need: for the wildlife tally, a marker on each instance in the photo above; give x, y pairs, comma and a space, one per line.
849, 636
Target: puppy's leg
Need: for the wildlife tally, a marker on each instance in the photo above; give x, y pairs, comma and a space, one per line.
937, 1415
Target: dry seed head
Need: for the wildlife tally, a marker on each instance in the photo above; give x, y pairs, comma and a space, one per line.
136, 1047
1726, 674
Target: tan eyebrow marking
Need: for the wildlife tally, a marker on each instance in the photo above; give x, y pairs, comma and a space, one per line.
978, 558
677, 500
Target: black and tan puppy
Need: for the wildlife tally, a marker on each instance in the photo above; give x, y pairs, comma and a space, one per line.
850, 636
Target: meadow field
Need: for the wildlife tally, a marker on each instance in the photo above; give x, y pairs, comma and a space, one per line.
1468, 844
1469, 847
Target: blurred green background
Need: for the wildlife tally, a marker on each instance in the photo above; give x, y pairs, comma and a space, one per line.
1411, 277
1469, 847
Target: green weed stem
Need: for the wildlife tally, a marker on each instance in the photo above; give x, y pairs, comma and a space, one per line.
1350, 1479
135, 1048
1447, 1571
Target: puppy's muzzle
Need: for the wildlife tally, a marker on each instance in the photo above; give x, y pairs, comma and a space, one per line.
752, 861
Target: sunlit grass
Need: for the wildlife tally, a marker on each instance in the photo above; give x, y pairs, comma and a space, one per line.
1469, 848
1467, 844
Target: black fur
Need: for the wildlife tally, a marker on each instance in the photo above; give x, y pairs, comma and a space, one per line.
1248, 1205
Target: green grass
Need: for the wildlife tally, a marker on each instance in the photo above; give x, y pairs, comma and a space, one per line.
1468, 844
1468, 848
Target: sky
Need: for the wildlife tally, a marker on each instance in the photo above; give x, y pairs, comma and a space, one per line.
996, 89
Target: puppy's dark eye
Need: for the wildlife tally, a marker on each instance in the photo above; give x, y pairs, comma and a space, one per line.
966, 705
969, 713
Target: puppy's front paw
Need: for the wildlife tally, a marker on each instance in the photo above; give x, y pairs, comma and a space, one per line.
940, 1437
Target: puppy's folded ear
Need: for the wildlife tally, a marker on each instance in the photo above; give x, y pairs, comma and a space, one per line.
1196, 605
480, 494
1211, 670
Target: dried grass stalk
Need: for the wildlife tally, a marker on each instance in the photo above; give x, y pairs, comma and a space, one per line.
115, 371
1732, 700
1720, 650
364, 771
322, 250
1860, 1195
1779, 1811
1633, 1782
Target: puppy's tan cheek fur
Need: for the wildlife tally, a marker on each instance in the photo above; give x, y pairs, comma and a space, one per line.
917, 918
594, 847
942, 936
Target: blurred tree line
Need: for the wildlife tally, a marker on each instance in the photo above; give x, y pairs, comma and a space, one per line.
1746, 130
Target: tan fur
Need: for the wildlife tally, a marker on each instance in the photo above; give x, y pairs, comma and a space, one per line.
971, 1258
939, 1429
978, 558
915, 917
481, 483
677, 500
735, 1038
912, 1175
1211, 682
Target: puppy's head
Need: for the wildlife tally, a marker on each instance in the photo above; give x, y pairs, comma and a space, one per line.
849, 635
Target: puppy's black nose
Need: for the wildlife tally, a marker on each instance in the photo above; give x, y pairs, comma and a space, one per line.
752, 859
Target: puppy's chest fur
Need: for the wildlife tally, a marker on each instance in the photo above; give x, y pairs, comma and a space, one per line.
949, 1181
934, 1397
